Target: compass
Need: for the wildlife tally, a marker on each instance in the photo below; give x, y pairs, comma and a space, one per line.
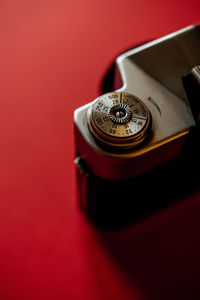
119, 120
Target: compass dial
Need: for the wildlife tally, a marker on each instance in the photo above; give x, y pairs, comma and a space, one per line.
119, 120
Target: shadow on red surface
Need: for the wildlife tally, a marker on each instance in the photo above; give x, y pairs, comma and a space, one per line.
161, 253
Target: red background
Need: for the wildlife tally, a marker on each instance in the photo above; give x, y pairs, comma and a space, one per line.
53, 56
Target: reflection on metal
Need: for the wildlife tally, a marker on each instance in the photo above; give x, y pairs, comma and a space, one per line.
119, 121
149, 120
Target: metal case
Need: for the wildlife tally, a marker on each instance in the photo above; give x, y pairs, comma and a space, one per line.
152, 72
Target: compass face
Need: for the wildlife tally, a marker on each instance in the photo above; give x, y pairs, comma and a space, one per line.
119, 120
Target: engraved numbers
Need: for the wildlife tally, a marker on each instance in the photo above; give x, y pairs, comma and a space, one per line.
99, 106
105, 124
119, 120
99, 121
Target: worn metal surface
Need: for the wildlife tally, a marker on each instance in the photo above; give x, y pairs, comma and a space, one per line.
153, 73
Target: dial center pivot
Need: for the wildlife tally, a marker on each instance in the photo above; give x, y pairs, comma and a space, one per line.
120, 113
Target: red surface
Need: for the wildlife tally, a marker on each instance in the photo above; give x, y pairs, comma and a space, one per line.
53, 55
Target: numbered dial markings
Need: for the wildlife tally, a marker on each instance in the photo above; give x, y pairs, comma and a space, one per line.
119, 121
119, 115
